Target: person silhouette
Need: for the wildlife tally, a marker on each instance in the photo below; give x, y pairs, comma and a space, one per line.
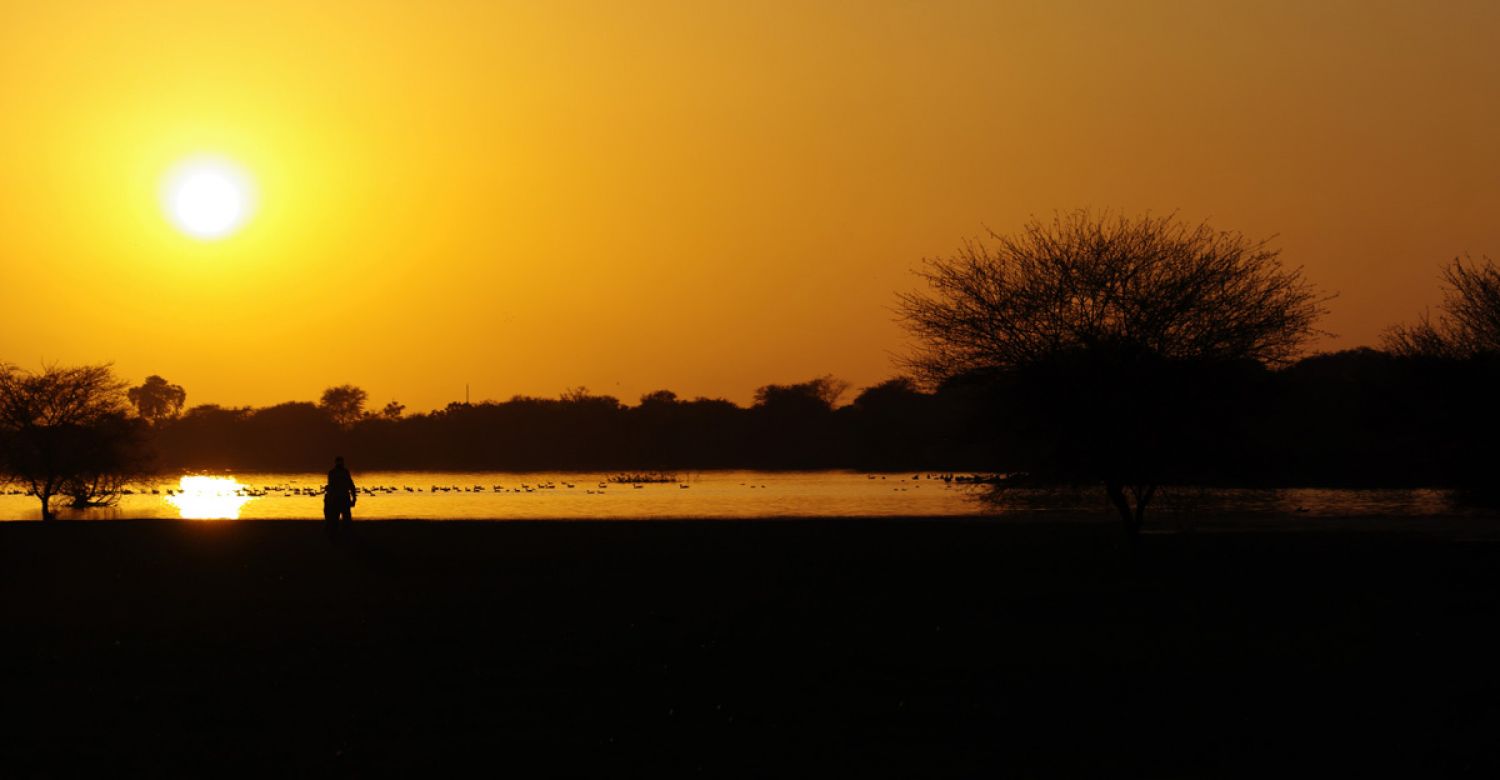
339, 497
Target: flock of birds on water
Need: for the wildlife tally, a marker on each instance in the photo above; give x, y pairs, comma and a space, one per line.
296, 491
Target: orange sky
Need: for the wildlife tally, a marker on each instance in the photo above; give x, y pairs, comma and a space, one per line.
701, 196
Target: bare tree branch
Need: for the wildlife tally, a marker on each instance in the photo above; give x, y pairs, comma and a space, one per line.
1468, 321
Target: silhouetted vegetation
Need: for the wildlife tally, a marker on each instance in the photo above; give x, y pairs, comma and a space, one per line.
1117, 351
156, 399
1358, 418
64, 432
1468, 321
1131, 354
893, 426
344, 404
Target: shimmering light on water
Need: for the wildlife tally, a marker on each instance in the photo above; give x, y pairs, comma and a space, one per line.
209, 498
535, 495
711, 495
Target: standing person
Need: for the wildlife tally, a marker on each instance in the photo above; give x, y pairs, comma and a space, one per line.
339, 497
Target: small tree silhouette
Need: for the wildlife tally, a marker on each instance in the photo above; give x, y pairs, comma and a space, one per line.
64, 432
344, 404
1110, 334
821, 393
659, 398
157, 400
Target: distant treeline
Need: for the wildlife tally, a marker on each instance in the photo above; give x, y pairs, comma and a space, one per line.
889, 426
1354, 418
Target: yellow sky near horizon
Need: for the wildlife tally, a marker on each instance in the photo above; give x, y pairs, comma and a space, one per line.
700, 196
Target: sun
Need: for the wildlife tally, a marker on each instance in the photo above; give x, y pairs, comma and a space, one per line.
208, 198
208, 498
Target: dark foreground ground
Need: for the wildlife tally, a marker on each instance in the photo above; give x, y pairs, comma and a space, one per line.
916, 648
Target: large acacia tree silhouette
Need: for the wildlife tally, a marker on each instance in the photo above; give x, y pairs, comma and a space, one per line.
1115, 344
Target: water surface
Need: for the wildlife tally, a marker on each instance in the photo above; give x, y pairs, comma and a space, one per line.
531, 495
704, 495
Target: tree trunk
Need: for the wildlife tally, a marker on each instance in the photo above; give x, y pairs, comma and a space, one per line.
1116, 493
46, 505
1133, 517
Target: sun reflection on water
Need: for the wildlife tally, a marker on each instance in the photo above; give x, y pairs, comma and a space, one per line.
209, 498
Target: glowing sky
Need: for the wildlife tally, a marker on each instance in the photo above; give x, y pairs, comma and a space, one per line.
702, 196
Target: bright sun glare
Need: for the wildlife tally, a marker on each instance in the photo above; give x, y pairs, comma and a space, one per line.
208, 199
208, 498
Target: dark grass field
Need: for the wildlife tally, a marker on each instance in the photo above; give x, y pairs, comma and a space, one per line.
913, 648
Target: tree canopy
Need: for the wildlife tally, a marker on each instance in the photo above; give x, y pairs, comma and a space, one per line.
1112, 339
344, 404
156, 399
1149, 285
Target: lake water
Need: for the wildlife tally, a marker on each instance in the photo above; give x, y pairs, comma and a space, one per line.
705, 495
